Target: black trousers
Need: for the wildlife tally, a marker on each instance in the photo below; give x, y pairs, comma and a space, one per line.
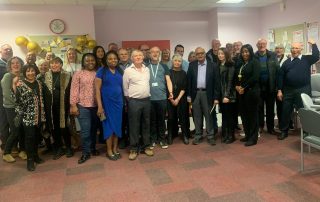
268, 99
249, 102
4, 127
157, 120
32, 134
125, 125
178, 114
16, 133
59, 133
291, 98
227, 111
139, 121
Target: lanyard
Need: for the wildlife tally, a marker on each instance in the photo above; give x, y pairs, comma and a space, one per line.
154, 74
242, 68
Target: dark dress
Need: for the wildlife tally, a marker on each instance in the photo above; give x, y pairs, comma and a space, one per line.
112, 101
179, 112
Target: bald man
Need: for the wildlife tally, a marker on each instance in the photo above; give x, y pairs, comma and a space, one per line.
204, 93
294, 79
6, 54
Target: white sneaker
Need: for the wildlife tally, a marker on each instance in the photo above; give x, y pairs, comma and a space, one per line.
242, 134
152, 145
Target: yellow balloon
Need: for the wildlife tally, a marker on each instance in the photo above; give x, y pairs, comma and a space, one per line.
92, 44
81, 40
21, 41
32, 46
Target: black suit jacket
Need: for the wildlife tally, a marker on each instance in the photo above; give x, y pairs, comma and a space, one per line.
212, 81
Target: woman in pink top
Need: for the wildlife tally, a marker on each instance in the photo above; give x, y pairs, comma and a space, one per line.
83, 104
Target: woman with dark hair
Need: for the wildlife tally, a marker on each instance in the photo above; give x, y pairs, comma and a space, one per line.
57, 103
109, 95
14, 66
30, 110
228, 93
99, 53
83, 104
247, 85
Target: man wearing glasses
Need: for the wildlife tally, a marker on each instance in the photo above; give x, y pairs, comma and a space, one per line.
203, 93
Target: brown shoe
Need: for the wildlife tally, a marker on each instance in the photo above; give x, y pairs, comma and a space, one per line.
149, 152
133, 155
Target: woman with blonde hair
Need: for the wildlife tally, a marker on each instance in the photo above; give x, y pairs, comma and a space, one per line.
71, 63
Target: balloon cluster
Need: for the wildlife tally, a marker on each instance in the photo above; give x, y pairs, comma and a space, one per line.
83, 43
31, 45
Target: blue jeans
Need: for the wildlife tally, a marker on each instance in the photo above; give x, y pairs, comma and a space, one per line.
88, 120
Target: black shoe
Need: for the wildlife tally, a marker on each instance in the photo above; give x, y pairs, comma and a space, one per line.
83, 158
112, 157
185, 140
271, 131
283, 136
170, 141
197, 141
212, 141
118, 155
38, 160
69, 152
250, 143
230, 140
244, 139
60, 152
95, 152
30, 165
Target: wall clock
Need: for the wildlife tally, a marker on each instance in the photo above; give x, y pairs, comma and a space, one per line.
57, 26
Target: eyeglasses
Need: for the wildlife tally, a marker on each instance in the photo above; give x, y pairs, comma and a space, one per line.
201, 53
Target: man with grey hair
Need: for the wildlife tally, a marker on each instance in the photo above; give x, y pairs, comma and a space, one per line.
136, 89
113, 46
268, 79
212, 54
6, 54
204, 93
294, 79
159, 83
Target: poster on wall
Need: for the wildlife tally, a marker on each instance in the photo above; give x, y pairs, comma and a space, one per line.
313, 32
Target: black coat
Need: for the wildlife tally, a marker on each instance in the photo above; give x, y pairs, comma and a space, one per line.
212, 81
227, 82
273, 68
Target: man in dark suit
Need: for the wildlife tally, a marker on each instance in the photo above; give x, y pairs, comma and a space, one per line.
203, 93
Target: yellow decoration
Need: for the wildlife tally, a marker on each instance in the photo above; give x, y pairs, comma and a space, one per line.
79, 48
92, 44
32, 46
81, 40
21, 41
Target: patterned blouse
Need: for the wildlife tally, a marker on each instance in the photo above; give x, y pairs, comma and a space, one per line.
83, 89
30, 104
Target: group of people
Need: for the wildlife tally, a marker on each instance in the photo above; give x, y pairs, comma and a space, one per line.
126, 95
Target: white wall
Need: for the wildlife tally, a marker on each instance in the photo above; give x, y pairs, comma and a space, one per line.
187, 28
239, 24
34, 20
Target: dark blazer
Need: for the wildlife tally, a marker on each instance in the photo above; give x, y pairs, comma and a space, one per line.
212, 81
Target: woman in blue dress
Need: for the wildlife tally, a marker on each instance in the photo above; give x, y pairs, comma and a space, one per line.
109, 96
